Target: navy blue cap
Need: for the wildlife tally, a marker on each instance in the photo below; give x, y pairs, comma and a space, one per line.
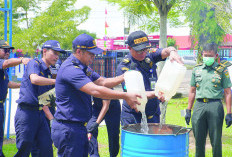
138, 40
54, 45
86, 42
5, 45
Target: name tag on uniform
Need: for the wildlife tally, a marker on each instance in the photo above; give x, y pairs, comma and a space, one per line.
152, 83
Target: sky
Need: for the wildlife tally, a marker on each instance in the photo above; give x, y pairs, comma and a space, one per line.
115, 19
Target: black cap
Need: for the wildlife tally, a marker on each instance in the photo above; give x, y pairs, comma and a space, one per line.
5, 45
138, 40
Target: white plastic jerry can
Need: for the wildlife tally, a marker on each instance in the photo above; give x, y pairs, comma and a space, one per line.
170, 79
134, 84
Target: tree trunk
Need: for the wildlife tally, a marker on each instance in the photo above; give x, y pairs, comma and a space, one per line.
162, 44
27, 20
163, 36
163, 30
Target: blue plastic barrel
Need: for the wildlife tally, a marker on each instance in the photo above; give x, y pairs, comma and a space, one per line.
135, 144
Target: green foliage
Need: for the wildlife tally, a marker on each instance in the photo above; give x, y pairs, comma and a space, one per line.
223, 13
171, 42
146, 14
2, 18
209, 22
1, 25
204, 23
59, 21
20, 11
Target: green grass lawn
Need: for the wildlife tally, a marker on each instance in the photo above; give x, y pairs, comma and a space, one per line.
173, 116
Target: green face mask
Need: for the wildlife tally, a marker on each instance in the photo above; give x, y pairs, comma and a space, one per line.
208, 60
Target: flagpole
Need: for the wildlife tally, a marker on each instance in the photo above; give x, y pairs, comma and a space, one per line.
105, 38
124, 38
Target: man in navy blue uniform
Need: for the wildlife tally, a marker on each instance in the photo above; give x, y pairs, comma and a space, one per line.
139, 59
30, 123
4, 80
75, 83
110, 111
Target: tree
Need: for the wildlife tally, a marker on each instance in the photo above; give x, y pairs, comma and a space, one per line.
223, 13
58, 22
151, 13
209, 21
2, 18
21, 9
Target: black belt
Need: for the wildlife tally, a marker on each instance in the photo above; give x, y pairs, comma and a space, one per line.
72, 122
207, 100
30, 107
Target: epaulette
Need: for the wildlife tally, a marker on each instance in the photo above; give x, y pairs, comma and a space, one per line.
76, 65
126, 60
37, 61
225, 63
222, 65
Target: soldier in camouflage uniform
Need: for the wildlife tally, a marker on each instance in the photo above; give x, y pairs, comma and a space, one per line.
207, 84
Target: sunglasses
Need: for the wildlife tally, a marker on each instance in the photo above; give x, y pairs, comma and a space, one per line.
6, 50
142, 51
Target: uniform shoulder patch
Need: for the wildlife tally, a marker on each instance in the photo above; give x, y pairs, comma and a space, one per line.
227, 74
88, 72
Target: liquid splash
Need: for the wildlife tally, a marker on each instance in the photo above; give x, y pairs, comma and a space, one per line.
163, 107
144, 126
